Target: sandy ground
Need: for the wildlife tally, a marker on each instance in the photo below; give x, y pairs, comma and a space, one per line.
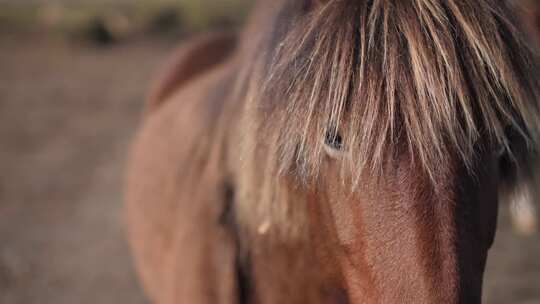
67, 113
66, 116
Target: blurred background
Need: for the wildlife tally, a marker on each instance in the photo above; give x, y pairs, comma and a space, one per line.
73, 76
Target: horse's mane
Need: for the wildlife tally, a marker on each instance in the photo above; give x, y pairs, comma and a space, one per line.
430, 77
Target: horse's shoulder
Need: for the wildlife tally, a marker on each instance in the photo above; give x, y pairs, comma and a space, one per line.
172, 193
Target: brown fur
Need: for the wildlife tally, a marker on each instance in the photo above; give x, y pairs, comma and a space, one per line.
189, 61
530, 14
236, 193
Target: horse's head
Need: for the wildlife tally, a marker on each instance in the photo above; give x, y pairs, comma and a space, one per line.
396, 121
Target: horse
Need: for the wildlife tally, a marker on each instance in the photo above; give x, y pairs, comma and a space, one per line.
335, 151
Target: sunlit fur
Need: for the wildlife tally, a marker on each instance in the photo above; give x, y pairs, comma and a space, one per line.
430, 77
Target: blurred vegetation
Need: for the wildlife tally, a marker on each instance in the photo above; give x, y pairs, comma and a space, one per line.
109, 20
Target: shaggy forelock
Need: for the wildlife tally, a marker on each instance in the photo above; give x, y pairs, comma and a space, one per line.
427, 77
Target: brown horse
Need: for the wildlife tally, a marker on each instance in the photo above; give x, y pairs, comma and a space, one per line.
343, 151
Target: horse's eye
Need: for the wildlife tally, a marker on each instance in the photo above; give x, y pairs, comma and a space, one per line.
333, 140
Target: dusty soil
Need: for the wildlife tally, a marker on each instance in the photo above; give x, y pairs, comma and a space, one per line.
67, 113
66, 116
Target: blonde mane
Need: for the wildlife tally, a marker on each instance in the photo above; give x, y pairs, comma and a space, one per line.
434, 75
431, 78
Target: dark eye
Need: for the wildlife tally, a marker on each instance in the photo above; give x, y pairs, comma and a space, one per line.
333, 140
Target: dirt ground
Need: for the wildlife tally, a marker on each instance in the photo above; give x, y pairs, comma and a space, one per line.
67, 113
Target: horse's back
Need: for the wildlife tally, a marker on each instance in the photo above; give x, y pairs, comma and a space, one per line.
190, 60
177, 195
